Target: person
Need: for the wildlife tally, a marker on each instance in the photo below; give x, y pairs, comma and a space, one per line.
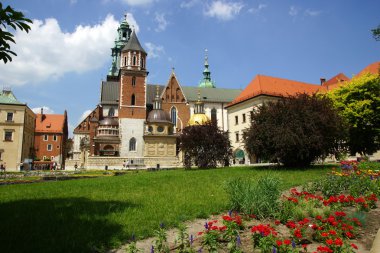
2, 168
75, 166
127, 164
124, 164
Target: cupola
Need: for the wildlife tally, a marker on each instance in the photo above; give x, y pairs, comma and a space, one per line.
199, 117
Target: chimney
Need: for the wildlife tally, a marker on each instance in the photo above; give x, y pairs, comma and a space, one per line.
323, 80
42, 113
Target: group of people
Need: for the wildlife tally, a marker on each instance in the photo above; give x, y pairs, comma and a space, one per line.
126, 164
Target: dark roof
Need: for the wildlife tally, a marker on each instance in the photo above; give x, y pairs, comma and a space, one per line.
108, 122
109, 93
133, 44
151, 92
158, 116
210, 94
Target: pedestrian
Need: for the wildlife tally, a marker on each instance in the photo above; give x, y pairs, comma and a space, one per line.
75, 166
127, 164
2, 168
124, 164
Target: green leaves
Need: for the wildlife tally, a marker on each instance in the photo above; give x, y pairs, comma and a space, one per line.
9, 18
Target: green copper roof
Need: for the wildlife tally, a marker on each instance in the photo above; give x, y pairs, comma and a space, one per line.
133, 44
7, 97
206, 82
210, 94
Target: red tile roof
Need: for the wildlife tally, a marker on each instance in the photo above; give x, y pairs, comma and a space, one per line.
335, 81
274, 86
50, 123
373, 68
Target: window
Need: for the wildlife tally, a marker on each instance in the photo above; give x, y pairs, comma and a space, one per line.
55, 138
142, 63
160, 129
8, 135
1, 155
133, 99
236, 120
133, 81
251, 115
10, 116
132, 144
124, 35
213, 116
45, 137
44, 158
111, 112
243, 117
237, 136
49, 147
173, 115
134, 60
125, 61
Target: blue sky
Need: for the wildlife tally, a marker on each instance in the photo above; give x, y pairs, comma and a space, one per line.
62, 61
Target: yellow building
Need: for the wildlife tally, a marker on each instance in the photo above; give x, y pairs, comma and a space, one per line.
17, 123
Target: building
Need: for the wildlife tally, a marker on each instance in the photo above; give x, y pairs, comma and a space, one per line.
17, 123
266, 88
50, 137
126, 124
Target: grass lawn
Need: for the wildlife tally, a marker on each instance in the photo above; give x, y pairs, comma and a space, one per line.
91, 215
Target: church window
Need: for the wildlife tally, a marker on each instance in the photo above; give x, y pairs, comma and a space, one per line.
125, 61
132, 144
173, 115
111, 112
213, 116
133, 81
133, 99
142, 63
134, 60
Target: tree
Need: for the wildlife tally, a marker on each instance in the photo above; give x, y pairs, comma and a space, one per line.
9, 18
376, 33
206, 146
295, 131
359, 103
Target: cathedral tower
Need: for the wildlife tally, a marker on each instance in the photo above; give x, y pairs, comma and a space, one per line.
132, 99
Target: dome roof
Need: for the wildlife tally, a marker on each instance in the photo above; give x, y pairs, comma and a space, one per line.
198, 119
158, 116
108, 122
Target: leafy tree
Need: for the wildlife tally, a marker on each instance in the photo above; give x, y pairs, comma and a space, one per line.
205, 146
295, 131
359, 103
376, 33
9, 18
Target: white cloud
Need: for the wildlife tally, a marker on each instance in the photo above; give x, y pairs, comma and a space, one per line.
47, 52
258, 8
132, 22
46, 110
312, 13
189, 4
161, 22
293, 11
154, 51
138, 2
72, 2
223, 10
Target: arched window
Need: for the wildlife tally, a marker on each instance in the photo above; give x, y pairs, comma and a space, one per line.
125, 61
213, 116
132, 144
142, 62
134, 60
133, 99
111, 112
133, 81
173, 115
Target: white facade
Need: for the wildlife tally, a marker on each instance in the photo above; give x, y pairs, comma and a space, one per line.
221, 113
128, 129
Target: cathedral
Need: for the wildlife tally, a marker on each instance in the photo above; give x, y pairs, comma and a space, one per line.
137, 123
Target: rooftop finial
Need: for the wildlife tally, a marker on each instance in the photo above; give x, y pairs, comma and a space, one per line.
206, 57
157, 90
173, 69
125, 16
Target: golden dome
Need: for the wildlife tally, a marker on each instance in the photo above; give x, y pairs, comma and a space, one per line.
198, 119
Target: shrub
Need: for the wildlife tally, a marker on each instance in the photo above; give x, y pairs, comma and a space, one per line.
260, 197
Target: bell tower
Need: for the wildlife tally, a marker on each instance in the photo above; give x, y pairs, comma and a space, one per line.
132, 98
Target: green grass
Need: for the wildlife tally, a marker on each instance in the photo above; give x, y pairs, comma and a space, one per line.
92, 215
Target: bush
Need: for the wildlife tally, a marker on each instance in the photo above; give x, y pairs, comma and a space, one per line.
295, 131
260, 197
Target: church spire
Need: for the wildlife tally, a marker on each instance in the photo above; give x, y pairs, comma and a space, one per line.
206, 82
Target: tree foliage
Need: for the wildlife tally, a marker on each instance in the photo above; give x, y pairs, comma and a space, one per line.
206, 146
9, 18
295, 131
359, 103
376, 33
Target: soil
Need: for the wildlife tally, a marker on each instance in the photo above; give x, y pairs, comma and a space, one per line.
364, 240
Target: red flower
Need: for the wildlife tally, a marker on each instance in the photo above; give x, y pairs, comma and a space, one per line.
297, 233
287, 242
329, 241
354, 246
324, 234
200, 233
349, 234
332, 232
277, 222
279, 243
338, 242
